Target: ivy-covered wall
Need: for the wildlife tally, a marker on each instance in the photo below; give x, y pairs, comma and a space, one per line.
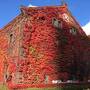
43, 46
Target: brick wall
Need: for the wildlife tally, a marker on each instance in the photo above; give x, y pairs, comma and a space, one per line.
41, 45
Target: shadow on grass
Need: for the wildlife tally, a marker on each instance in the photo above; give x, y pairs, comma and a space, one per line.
3, 87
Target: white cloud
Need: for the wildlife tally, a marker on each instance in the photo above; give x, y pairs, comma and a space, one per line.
30, 5
86, 28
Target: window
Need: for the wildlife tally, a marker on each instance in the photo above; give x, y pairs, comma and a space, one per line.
11, 41
11, 38
73, 31
41, 19
66, 17
64, 40
22, 53
56, 23
46, 79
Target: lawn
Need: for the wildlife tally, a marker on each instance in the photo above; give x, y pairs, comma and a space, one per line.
3, 87
74, 87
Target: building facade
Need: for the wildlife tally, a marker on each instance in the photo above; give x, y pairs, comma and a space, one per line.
42, 47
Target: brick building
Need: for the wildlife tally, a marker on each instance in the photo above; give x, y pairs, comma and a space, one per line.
43, 46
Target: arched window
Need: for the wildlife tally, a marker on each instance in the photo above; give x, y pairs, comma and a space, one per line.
56, 23
11, 43
46, 79
73, 31
11, 38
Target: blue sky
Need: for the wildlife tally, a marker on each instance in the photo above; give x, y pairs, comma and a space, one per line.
9, 9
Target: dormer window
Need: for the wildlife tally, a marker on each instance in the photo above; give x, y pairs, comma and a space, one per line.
73, 31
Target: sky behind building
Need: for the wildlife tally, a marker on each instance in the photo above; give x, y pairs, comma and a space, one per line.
9, 9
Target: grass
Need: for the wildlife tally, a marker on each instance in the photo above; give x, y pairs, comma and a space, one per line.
3, 87
64, 88
44, 89
73, 87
